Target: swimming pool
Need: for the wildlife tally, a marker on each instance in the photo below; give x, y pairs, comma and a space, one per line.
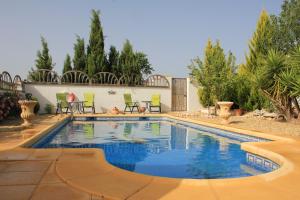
161, 147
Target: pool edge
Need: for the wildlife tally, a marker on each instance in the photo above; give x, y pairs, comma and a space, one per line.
285, 165
250, 147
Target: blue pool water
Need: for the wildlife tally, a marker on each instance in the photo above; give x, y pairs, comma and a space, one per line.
159, 147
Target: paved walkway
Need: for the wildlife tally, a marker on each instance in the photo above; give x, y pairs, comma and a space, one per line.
12, 139
84, 174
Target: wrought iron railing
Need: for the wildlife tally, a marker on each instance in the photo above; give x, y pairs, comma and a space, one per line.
7, 83
44, 76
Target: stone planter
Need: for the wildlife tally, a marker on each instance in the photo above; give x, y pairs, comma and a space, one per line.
27, 111
225, 111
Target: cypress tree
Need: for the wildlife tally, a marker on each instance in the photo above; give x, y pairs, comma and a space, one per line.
113, 62
95, 49
91, 70
79, 60
105, 67
260, 42
44, 59
67, 64
127, 59
259, 45
221, 72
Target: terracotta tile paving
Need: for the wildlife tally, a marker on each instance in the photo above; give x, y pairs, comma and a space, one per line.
20, 178
84, 174
27, 166
17, 192
50, 176
58, 191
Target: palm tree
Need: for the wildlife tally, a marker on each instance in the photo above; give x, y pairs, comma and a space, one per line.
291, 78
279, 80
270, 80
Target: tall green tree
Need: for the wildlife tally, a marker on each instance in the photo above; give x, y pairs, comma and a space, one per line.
43, 61
259, 45
67, 64
286, 26
286, 38
113, 62
213, 74
221, 71
201, 72
143, 64
79, 60
128, 62
231, 63
91, 65
95, 49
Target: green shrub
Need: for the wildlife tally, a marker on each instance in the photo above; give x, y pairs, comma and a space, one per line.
48, 108
205, 97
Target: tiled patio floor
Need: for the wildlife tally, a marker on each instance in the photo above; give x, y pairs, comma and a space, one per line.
12, 139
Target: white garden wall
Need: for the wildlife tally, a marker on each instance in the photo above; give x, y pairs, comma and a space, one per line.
104, 101
193, 103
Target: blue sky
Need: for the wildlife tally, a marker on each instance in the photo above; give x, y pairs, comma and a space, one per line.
170, 32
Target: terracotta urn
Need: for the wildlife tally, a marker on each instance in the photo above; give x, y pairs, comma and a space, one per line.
115, 111
27, 107
225, 111
142, 109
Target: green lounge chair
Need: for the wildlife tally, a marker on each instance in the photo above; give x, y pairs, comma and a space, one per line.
155, 128
89, 101
88, 131
155, 103
127, 129
62, 103
130, 104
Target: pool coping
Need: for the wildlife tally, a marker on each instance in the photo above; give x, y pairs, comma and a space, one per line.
263, 149
250, 147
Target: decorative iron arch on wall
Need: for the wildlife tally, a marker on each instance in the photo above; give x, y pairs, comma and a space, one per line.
131, 80
101, 78
75, 76
18, 83
44, 76
105, 78
157, 80
7, 83
123, 80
